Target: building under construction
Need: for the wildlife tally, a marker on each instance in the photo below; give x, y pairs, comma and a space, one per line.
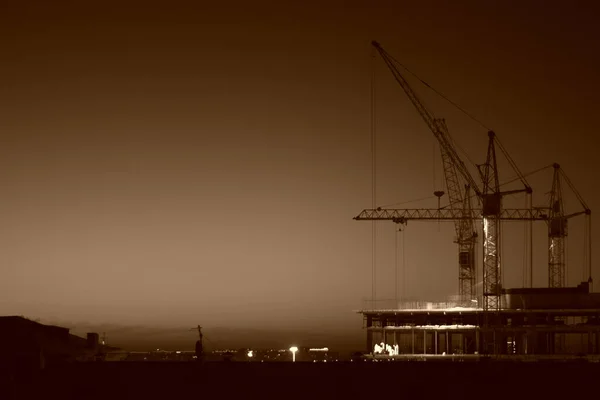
544, 322
557, 321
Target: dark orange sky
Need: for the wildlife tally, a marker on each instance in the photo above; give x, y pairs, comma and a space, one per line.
187, 162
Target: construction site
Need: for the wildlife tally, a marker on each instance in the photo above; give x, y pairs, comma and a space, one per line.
485, 319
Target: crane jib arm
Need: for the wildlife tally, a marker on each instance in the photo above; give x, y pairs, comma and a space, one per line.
403, 215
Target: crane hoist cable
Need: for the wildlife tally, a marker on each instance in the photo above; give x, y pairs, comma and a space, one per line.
396, 230
567, 263
373, 182
525, 246
403, 264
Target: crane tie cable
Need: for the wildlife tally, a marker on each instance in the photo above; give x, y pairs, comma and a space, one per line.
440, 94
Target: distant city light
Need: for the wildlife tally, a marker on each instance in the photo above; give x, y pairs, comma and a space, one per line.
293, 349
178, 352
250, 354
324, 349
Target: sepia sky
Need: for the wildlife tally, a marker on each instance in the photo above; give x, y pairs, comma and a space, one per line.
175, 163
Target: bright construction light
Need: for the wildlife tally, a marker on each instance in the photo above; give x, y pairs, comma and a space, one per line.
293, 349
386, 348
250, 354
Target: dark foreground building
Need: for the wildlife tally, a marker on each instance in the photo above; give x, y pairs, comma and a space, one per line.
27, 345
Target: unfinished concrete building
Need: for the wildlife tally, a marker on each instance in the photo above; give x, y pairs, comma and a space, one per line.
545, 323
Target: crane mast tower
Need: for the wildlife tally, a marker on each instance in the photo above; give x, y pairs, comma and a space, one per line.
557, 233
558, 230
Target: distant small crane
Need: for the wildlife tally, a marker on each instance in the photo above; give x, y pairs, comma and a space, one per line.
199, 343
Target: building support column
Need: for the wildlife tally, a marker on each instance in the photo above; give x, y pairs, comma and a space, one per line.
369, 323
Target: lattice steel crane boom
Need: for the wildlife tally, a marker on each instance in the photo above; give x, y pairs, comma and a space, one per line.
466, 236
402, 215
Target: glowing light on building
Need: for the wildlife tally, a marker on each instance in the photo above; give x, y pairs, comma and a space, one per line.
386, 348
293, 349
250, 354
324, 349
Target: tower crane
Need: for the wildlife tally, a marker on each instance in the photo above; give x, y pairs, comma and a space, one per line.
489, 196
199, 350
557, 229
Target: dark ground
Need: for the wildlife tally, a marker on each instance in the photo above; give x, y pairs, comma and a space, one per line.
383, 380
